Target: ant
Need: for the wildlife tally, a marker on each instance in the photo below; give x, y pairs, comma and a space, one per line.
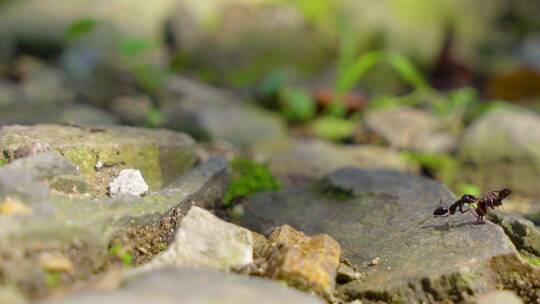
492, 200
444, 211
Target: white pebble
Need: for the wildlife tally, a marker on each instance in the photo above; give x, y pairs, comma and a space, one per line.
129, 181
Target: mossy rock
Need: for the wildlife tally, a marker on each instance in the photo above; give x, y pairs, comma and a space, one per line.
100, 153
92, 233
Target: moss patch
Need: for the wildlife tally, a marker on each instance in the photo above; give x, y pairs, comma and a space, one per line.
249, 177
100, 153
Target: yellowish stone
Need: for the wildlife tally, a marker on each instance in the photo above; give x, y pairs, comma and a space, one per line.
11, 206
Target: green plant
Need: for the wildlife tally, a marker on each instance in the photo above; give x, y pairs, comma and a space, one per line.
442, 166
122, 254
297, 105
80, 28
154, 118
2, 162
334, 128
533, 260
248, 177
352, 68
133, 46
466, 188
52, 279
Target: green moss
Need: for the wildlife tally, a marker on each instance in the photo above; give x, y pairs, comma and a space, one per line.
248, 177
125, 256
326, 189
163, 246
532, 260
52, 279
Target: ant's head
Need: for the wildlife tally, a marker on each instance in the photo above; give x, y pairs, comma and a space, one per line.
467, 198
440, 211
504, 193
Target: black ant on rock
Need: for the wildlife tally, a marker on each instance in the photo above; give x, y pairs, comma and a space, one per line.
478, 206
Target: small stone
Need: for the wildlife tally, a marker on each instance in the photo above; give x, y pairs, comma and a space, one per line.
12, 206
55, 262
99, 165
307, 263
410, 128
191, 286
32, 149
497, 297
129, 181
346, 274
375, 261
205, 241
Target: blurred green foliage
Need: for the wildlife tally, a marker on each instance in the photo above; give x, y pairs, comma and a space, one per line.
133, 46
334, 128
466, 188
154, 118
441, 166
2, 162
124, 255
52, 279
80, 28
248, 177
533, 260
297, 104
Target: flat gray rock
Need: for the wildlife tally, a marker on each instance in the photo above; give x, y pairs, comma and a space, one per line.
189, 286
311, 159
208, 113
382, 219
411, 129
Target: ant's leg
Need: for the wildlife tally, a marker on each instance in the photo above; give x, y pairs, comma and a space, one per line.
480, 220
473, 211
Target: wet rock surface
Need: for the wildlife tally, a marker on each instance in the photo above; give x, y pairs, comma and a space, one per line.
502, 140
101, 152
386, 216
191, 286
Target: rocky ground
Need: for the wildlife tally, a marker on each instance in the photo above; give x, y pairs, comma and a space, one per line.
124, 184
361, 233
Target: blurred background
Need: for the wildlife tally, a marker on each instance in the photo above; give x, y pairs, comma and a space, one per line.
446, 89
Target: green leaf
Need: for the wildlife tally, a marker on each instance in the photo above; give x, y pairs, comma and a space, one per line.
333, 128
272, 83
2, 162
407, 70
134, 46
154, 118
149, 78
248, 177
297, 104
349, 76
465, 188
443, 166
80, 28
52, 279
